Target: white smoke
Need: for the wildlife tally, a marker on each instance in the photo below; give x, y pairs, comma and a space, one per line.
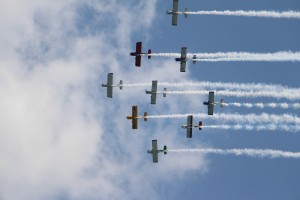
283, 105
238, 118
251, 13
260, 153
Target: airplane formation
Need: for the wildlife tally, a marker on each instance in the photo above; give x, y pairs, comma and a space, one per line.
183, 58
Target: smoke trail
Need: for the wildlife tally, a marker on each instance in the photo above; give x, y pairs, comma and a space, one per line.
283, 105
264, 127
238, 56
253, 94
222, 85
263, 13
245, 56
260, 153
136, 84
166, 54
238, 118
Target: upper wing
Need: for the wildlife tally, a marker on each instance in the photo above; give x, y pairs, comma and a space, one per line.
110, 80
211, 100
134, 119
138, 48
182, 66
153, 92
109, 85
175, 15
154, 151
189, 127
183, 52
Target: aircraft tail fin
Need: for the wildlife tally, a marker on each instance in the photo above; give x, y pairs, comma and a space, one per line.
149, 52
165, 149
121, 85
145, 116
164, 93
185, 15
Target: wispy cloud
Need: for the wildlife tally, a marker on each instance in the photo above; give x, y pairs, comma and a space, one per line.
66, 135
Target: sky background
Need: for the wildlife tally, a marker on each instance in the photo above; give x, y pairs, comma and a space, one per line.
62, 138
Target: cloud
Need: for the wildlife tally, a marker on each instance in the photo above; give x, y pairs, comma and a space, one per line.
60, 136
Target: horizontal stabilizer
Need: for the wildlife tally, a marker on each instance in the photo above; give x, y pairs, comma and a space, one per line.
149, 54
165, 92
121, 85
185, 15
200, 125
194, 59
165, 149
222, 103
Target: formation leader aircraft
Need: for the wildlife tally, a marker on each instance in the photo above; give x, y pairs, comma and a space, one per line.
189, 126
174, 12
134, 117
154, 92
154, 151
109, 85
211, 102
138, 54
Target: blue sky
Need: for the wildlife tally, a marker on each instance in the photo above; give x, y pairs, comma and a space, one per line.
61, 138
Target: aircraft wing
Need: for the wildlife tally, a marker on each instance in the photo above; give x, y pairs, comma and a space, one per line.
134, 115
189, 128
183, 52
174, 14
109, 85
211, 100
182, 66
154, 151
138, 50
138, 60
153, 92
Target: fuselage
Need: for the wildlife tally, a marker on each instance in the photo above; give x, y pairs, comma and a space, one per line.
187, 126
180, 59
156, 151
106, 85
151, 92
137, 54
138, 117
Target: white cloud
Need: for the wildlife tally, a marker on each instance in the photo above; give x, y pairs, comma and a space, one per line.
60, 135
